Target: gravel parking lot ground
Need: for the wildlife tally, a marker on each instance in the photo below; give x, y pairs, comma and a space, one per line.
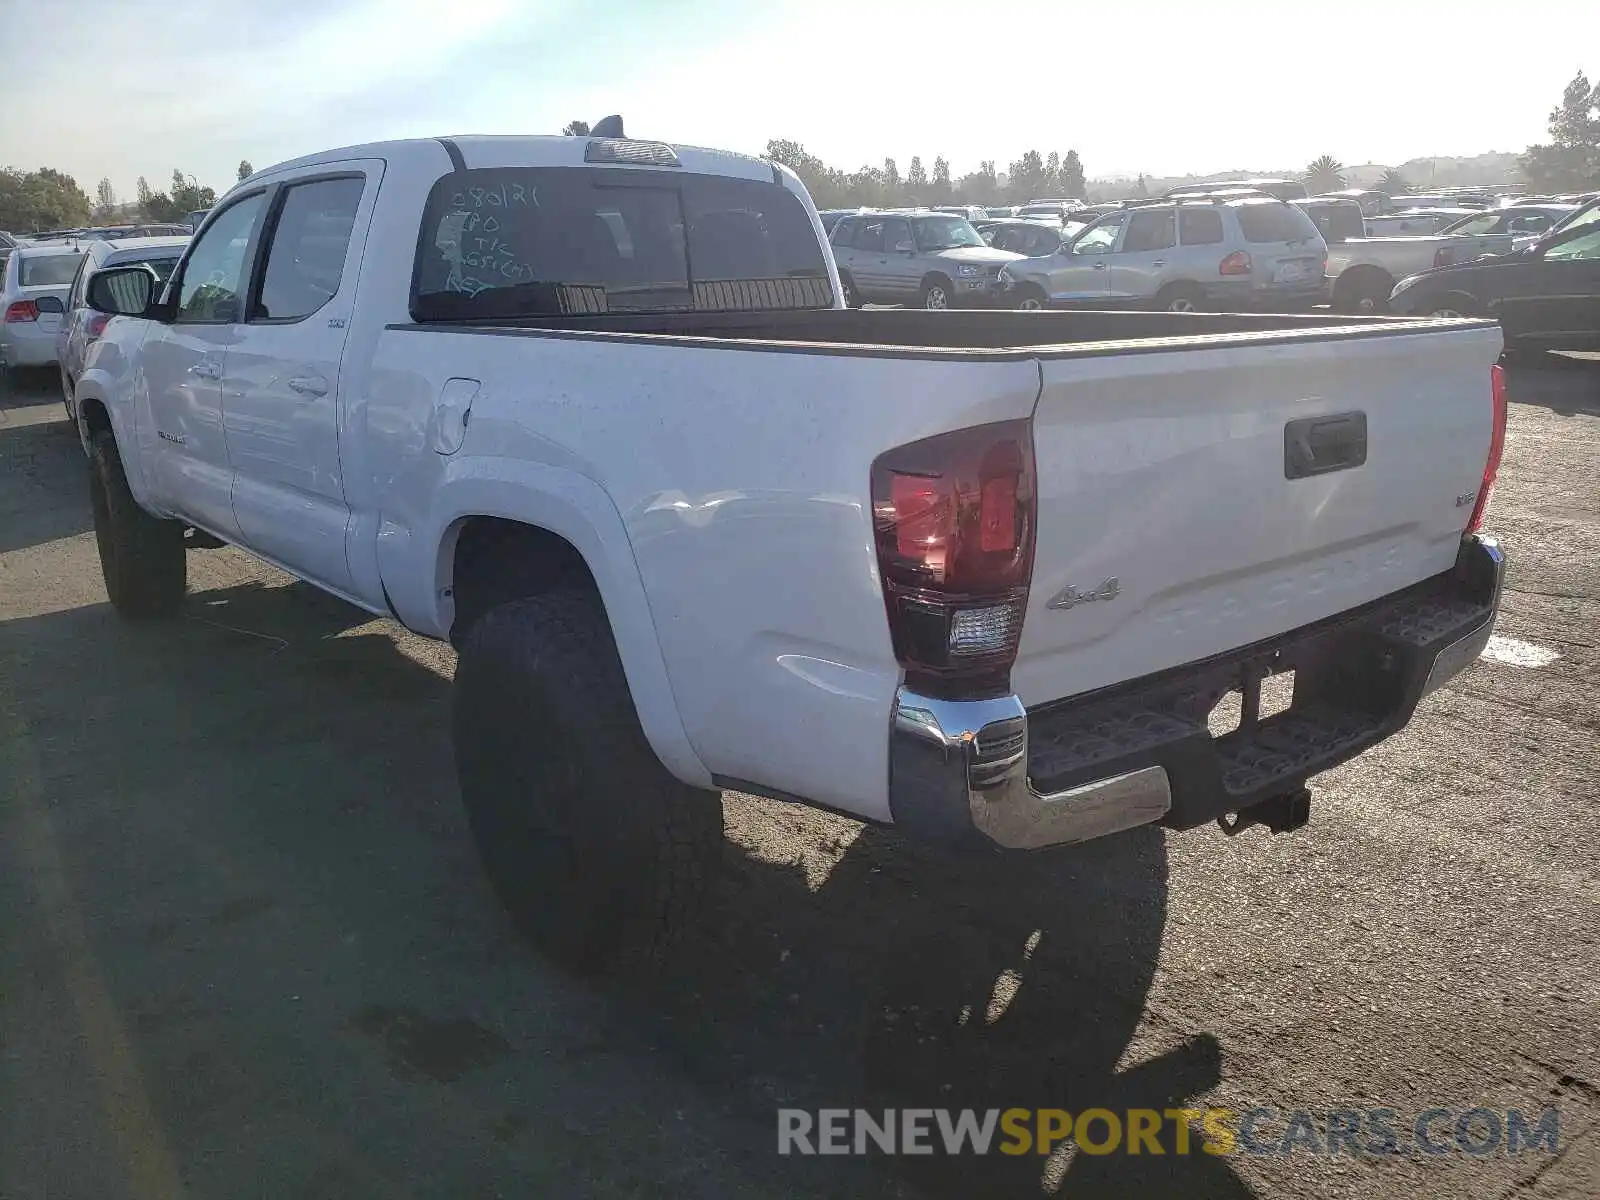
248, 950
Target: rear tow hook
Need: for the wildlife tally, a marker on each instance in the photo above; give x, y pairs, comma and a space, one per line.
1280, 814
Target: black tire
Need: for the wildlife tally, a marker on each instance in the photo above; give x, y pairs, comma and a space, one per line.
1454, 304
852, 297
141, 556
601, 856
936, 294
1364, 291
1180, 297
1031, 298
66, 394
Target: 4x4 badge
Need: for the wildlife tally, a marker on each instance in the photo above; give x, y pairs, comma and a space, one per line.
1071, 597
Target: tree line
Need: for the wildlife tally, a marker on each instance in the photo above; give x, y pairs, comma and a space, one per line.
1570, 161
32, 201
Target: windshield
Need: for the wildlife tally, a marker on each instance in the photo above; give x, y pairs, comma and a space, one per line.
51, 270
1582, 217
945, 233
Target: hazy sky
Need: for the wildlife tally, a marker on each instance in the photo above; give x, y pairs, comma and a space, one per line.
128, 87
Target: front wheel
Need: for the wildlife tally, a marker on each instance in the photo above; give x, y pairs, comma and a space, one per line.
936, 293
847, 286
600, 855
1456, 304
141, 556
1032, 299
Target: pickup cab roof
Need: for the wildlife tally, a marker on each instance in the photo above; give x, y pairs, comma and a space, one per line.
526, 150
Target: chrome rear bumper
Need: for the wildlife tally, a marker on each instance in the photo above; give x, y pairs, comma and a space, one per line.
1142, 752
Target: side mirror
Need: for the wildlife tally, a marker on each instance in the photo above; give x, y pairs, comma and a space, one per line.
122, 291
50, 304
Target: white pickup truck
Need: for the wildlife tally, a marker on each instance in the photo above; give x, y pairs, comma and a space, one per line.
590, 408
1362, 272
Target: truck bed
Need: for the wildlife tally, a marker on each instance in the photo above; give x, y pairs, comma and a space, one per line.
942, 334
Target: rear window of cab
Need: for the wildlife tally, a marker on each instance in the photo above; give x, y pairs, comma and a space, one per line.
533, 241
1266, 221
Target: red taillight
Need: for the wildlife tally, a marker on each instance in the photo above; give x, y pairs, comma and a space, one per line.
1237, 263
1497, 446
22, 310
953, 516
95, 325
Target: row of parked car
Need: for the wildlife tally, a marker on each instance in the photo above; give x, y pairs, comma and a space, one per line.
44, 313
1243, 245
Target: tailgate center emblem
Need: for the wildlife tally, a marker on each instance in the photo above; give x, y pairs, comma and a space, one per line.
1071, 596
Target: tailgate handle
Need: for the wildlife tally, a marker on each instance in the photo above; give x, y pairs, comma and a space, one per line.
1317, 445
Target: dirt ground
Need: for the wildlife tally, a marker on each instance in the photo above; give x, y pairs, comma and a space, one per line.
248, 950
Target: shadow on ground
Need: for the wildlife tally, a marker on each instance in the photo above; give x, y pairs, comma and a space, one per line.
257, 800
46, 455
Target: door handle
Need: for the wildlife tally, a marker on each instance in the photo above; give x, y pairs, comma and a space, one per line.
1098, 267
308, 385
206, 369
1158, 262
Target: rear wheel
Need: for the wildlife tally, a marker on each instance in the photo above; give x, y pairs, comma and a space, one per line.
937, 293
601, 856
1032, 299
1180, 297
141, 556
66, 393
1364, 291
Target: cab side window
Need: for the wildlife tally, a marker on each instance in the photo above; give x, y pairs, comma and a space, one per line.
215, 270
1200, 226
310, 239
1153, 229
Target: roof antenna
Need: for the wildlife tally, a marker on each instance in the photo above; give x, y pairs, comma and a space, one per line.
608, 127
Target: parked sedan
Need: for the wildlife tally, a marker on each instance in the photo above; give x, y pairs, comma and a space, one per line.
82, 326
928, 259
1546, 297
33, 292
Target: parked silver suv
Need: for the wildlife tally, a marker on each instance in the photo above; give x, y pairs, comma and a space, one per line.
931, 260
1249, 252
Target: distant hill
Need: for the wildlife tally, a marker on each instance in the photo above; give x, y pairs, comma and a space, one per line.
1494, 167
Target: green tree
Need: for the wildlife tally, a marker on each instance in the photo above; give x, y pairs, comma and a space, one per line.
1052, 175
245, 170
916, 180
1072, 181
941, 178
188, 195
576, 129
42, 199
893, 192
1324, 175
105, 200
1392, 183
1027, 177
828, 186
1570, 160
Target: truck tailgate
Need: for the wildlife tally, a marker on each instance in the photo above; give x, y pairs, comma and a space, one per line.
1170, 530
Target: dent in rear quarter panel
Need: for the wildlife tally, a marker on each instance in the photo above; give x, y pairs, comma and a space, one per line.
741, 477
1166, 471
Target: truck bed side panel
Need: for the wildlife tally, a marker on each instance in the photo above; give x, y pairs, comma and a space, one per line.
742, 479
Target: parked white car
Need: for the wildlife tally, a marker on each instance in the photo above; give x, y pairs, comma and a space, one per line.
589, 408
34, 281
